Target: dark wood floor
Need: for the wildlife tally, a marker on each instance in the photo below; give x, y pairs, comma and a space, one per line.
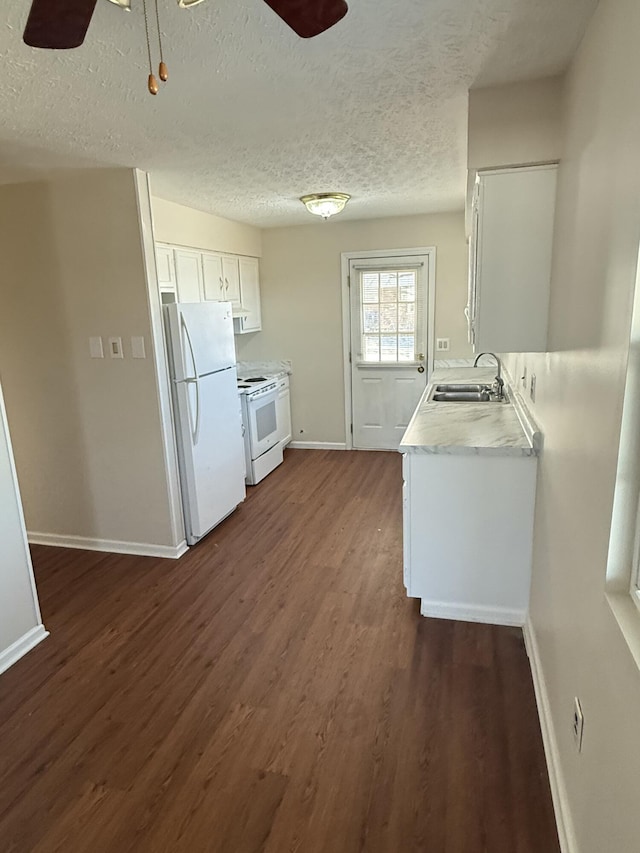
272, 691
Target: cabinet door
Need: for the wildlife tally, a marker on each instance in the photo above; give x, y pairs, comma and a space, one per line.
212, 276
188, 275
250, 295
513, 269
231, 281
165, 269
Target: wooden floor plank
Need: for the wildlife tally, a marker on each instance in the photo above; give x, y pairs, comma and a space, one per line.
273, 691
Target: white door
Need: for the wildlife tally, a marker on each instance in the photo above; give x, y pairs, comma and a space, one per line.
388, 346
188, 275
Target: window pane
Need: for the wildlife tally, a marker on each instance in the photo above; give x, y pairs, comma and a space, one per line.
389, 348
406, 348
370, 287
407, 286
389, 317
371, 318
371, 348
388, 287
406, 316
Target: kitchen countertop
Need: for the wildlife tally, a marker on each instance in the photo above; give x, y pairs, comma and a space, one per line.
479, 429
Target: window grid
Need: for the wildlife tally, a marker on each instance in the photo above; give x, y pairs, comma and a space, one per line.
388, 316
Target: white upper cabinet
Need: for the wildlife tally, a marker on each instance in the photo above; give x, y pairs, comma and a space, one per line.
231, 279
212, 277
189, 276
166, 269
510, 259
250, 296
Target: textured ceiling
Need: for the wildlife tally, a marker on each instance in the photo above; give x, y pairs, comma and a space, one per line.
253, 117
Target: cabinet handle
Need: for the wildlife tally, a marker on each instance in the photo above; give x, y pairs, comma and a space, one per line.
221, 286
226, 284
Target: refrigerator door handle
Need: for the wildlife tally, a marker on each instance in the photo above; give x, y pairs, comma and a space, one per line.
195, 427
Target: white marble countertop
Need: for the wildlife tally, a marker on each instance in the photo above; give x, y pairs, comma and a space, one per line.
484, 429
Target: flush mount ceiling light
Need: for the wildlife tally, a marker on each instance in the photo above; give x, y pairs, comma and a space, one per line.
325, 204
124, 4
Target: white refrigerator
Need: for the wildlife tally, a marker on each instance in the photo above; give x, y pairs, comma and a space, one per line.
207, 412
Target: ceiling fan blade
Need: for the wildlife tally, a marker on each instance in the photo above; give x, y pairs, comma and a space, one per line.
58, 24
309, 18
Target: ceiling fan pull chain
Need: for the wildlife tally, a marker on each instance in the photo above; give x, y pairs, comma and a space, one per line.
163, 71
152, 82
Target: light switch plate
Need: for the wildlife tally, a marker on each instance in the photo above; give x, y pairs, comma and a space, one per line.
95, 347
115, 348
442, 344
137, 347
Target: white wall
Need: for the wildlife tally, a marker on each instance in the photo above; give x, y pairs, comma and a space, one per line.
302, 308
86, 432
580, 385
185, 226
20, 623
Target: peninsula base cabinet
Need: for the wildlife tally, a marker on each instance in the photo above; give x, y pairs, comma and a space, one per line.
468, 533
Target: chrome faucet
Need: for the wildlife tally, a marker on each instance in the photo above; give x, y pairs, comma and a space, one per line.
498, 385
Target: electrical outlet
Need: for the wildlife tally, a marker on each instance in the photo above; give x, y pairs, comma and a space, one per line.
524, 378
532, 388
442, 344
578, 724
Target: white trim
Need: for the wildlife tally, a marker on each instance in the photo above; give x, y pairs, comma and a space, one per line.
472, 613
110, 546
317, 445
346, 258
21, 646
163, 384
564, 822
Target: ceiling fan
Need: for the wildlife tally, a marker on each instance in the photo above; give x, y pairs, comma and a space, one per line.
62, 24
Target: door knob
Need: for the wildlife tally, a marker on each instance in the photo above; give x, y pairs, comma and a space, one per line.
420, 356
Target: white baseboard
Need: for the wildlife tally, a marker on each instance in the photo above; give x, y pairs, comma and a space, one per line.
472, 613
566, 833
317, 445
18, 649
110, 546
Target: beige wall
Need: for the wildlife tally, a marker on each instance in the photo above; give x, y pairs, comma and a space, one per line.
580, 386
517, 123
302, 304
86, 432
185, 226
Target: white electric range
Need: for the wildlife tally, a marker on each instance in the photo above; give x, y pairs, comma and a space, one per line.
262, 432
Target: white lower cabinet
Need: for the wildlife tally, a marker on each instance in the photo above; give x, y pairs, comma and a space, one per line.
468, 533
283, 411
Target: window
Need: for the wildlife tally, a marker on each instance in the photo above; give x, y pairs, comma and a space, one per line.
389, 315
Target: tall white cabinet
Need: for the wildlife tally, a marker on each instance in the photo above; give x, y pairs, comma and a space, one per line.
510, 259
21, 625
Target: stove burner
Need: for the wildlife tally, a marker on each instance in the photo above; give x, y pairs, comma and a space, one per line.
256, 379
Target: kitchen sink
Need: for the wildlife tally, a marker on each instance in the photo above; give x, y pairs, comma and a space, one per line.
464, 394
460, 388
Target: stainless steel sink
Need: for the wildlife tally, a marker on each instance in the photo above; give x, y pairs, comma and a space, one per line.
465, 394
478, 388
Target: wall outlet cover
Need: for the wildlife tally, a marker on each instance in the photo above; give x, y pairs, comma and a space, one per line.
95, 347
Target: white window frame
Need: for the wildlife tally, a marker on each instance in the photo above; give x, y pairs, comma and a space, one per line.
364, 256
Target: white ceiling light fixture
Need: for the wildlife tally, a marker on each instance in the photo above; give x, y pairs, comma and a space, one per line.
187, 4
325, 204
124, 4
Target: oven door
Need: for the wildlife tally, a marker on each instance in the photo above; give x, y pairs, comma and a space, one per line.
263, 422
